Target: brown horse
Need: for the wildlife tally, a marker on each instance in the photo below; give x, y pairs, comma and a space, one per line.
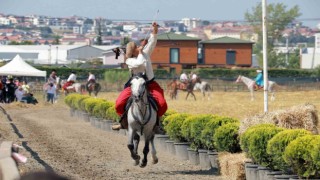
175, 85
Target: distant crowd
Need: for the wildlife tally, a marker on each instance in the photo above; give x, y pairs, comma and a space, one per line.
12, 89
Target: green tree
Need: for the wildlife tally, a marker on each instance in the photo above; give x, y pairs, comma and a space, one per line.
56, 40
99, 37
125, 41
279, 16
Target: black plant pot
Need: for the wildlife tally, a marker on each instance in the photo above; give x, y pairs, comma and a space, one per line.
285, 176
262, 172
271, 174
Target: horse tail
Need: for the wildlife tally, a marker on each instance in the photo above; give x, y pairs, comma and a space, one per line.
97, 87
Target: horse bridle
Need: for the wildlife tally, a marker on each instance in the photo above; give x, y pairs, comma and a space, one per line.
141, 95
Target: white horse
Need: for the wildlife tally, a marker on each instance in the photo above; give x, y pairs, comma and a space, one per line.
75, 87
204, 87
141, 121
251, 83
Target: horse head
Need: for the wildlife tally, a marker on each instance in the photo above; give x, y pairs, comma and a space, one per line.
138, 87
239, 79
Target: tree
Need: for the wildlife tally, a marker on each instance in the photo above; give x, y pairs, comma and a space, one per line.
56, 40
99, 37
278, 18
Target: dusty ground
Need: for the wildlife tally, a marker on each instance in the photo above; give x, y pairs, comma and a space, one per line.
55, 141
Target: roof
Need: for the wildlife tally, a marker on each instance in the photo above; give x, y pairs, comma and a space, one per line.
18, 67
11, 55
173, 36
226, 40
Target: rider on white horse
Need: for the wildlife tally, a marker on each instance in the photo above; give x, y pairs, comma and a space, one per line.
258, 80
72, 79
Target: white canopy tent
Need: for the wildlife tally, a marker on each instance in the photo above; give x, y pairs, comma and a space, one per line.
18, 67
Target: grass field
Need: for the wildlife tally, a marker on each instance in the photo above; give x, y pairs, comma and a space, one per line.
234, 104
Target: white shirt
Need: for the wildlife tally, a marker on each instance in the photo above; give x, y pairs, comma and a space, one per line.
72, 77
194, 76
51, 90
19, 94
143, 62
183, 77
91, 76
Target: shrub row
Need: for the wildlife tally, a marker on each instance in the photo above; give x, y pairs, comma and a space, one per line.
288, 150
203, 131
93, 106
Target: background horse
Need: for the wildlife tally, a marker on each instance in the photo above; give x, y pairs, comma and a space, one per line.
250, 84
204, 88
74, 88
175, 85
95, 88
141, 120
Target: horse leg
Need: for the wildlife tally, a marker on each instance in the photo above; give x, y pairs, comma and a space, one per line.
252, 95
187, 95
145, 154
194, 96
131, 147
153, 151
136, 140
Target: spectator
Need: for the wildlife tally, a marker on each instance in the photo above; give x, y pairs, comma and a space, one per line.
19, 93
50, 92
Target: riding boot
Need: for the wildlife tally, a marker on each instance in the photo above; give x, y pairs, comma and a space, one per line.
157, 128
123, 123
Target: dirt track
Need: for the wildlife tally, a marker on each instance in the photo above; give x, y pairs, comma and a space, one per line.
75, 149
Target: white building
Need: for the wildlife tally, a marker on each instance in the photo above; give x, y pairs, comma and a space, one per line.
53, 54
191, 23
310, 57
4, 21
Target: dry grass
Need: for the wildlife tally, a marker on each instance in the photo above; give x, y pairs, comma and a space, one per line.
232, 165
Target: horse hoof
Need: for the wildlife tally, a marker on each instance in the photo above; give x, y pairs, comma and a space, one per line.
155, 161
135, 162
142, 165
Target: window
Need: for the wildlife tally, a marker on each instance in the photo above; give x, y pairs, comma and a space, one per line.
174, 55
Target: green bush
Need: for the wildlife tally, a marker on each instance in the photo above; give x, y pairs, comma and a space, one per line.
186, 127
173, 126
111, 114
168, 113
210, 127
197, 125
244, 138
278, 144
77, 102
89, 104
257, 144
98, 110
68, 100
302, 154
226, 138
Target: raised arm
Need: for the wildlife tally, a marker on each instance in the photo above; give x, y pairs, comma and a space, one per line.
148, 49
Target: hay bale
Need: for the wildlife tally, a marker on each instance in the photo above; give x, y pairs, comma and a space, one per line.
297, 117
232, 165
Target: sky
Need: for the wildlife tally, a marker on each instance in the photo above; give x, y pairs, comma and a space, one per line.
147, 9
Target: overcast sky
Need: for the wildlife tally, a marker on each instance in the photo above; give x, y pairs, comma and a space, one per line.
146, 9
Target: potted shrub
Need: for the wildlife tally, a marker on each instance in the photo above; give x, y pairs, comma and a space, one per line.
302, 154
196, 129
98, 113
277, 145
226, 138
254, 141
172, 126
193, 154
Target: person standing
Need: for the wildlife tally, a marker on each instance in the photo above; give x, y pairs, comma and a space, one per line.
19, 93
50, 92
53, 77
